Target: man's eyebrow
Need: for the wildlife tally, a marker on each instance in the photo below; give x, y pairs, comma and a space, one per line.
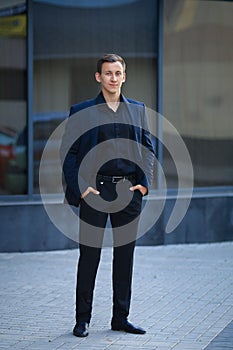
110, 71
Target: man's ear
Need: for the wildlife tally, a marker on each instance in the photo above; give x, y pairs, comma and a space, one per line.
124, 79
97, 77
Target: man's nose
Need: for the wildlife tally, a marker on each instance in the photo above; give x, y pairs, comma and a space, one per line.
114, 77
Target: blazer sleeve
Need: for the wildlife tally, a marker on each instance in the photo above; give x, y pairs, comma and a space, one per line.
70, 158
148, 153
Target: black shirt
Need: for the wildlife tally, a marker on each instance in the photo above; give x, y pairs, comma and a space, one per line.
113, 133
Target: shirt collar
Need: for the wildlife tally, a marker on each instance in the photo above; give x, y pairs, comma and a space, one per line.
100, 98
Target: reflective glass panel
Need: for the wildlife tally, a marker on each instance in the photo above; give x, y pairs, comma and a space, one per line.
69, 37
13, 94
198, 85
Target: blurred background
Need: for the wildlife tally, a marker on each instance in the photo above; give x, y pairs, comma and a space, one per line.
179, 57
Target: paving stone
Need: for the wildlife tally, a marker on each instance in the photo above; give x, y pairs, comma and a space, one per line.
182, 295
224, 340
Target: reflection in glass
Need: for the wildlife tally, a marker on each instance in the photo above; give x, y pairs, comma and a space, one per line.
13, 132
198, 85
68, 40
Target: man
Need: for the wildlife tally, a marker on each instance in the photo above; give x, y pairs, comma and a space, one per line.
123, 175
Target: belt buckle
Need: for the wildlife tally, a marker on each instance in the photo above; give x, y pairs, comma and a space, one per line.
116, 179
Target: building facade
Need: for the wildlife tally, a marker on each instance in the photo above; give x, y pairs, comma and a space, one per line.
179, 58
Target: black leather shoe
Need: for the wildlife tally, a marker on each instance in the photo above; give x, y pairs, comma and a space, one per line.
127, 327
81, 329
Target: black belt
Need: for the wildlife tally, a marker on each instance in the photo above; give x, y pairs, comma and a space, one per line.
115, 179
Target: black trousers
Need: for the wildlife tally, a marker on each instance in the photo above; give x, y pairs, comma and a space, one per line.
92, 224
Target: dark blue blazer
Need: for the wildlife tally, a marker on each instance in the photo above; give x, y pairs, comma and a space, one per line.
77, 142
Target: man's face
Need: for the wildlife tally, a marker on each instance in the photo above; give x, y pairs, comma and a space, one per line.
111, 78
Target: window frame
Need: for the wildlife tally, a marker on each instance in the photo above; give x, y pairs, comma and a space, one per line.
31, 197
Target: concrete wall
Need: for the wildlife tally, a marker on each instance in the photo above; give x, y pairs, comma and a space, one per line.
28, 228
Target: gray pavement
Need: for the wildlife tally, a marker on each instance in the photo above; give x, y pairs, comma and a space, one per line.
182, 295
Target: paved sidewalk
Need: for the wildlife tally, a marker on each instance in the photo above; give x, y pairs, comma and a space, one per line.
182, 295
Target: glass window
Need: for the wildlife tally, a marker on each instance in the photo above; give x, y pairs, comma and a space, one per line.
13, 95
68, 40
198, 85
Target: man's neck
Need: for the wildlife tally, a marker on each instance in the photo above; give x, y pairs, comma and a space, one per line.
112, 100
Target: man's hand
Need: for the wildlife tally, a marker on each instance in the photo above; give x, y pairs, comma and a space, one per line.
141, 188
89, 190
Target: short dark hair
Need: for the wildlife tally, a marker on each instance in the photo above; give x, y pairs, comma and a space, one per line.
110, 57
